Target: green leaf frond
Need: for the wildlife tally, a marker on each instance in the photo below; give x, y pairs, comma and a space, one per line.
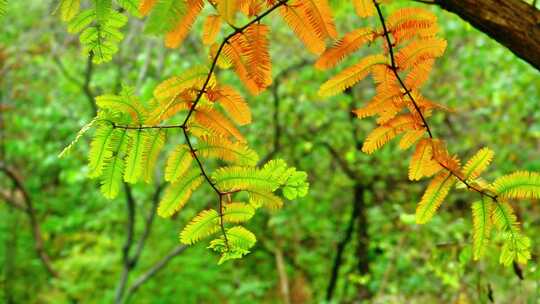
516, 246
178, 193
68, 9
239, 241
481, 212
203, 225
435, 194
138, 140
99, 149
521, 184
238, 213
126, 103
99, 28
478, 164
264, 199
191, 78
178, 163
79, 135
131, 6
165, 15
151, 151
236, 153
113, 169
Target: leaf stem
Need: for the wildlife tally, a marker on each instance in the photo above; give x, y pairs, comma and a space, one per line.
395, 69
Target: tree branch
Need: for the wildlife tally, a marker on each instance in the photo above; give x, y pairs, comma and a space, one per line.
32, 216
127, 261
347, 236
513, 23
159, 265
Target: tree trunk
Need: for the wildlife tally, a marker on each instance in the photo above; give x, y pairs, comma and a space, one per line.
513, 23
362, 245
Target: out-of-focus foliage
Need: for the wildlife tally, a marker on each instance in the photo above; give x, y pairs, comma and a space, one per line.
43, 104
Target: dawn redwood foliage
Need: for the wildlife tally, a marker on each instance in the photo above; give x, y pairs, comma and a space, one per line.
195, 117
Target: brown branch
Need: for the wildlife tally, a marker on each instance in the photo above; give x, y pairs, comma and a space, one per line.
127, 261
32, 217
513, 23
86, 83
395, 70
147, 225
154, 270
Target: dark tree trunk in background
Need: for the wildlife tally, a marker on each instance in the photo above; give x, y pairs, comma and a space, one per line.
362, 244
357, 219
513, 23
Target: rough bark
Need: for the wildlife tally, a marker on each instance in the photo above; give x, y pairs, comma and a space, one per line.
513, 23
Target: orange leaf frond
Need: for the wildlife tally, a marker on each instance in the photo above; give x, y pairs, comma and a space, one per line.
145, 6
404, 15
233, 103
175, 37
350, 43
211, 28
419, 51
443, 157
364, 8
414, 28
216, 123
419, 74
296, 20
422, 163
383, 134
235, 51
410, 138
350, 76
319, 16
258, 57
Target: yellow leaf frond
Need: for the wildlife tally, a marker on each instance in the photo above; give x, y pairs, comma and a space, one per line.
364, 8
233, 103
432, 199
296, 20
145, 6
174, 38
478, 163
383, 134
350, 43
419, 51
211, 28
422, 163
319, 16
216, 123
350, 76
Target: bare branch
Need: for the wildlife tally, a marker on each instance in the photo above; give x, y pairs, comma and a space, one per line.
152, 271
32, 216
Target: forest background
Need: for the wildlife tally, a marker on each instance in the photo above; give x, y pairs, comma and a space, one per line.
317, 248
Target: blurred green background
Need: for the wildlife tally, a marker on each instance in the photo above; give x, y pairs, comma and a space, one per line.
46, 93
